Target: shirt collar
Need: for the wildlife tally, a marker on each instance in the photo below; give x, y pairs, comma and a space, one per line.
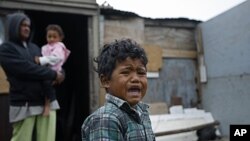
119, 102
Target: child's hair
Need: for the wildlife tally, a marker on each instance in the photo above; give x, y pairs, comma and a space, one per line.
116, 52
57, 28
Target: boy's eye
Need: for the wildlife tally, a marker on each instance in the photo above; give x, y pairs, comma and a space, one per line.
125, 72
142, 72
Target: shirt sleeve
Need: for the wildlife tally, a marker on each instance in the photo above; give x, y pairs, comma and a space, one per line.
102, 128
15, 64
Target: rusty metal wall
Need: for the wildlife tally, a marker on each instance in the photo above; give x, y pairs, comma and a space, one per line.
176, 79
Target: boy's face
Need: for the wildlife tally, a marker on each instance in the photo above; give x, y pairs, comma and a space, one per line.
53, 36
128, 81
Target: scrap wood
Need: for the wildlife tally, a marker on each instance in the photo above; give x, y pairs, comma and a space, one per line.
187, 129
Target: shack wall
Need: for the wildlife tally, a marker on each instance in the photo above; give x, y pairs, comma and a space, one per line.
177, 77
226, 49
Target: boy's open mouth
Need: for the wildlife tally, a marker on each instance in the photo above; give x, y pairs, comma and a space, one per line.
134, 90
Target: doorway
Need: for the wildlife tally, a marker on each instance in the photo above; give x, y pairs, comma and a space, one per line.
73, 93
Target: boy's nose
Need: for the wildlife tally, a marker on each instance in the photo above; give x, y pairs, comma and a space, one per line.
135, 77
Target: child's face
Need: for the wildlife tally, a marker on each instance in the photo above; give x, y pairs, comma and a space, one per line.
128, 81
53, 36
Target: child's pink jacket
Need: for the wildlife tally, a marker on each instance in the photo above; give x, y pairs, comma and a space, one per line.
59, 50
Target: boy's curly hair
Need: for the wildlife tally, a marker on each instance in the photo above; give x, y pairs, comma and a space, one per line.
118, 51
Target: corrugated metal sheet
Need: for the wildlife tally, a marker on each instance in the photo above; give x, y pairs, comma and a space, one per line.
227, 56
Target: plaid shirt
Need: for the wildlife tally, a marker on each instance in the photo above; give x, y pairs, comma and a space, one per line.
117, 121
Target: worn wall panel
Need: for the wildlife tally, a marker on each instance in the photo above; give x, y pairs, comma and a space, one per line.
170, 38
124, 28
228, 100
154, 54
177, 75
83, 7
177, 78
227, 55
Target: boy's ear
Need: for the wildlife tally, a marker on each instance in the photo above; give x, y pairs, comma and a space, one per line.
104, 81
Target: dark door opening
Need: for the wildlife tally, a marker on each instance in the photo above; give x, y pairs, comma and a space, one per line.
73, 93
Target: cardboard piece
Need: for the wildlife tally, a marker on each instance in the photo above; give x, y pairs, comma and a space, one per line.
4, 84
154, 54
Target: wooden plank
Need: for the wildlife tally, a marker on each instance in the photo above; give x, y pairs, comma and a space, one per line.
158, 108
4, 84
201, 77
193, 128
154, 54
199, 41
177, 53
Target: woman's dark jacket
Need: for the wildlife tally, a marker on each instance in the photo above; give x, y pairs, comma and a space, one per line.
24, 75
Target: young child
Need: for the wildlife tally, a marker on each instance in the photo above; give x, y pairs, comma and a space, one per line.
54, 54
121, 67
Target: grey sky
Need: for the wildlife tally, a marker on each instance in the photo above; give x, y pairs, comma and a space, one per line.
193, 9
